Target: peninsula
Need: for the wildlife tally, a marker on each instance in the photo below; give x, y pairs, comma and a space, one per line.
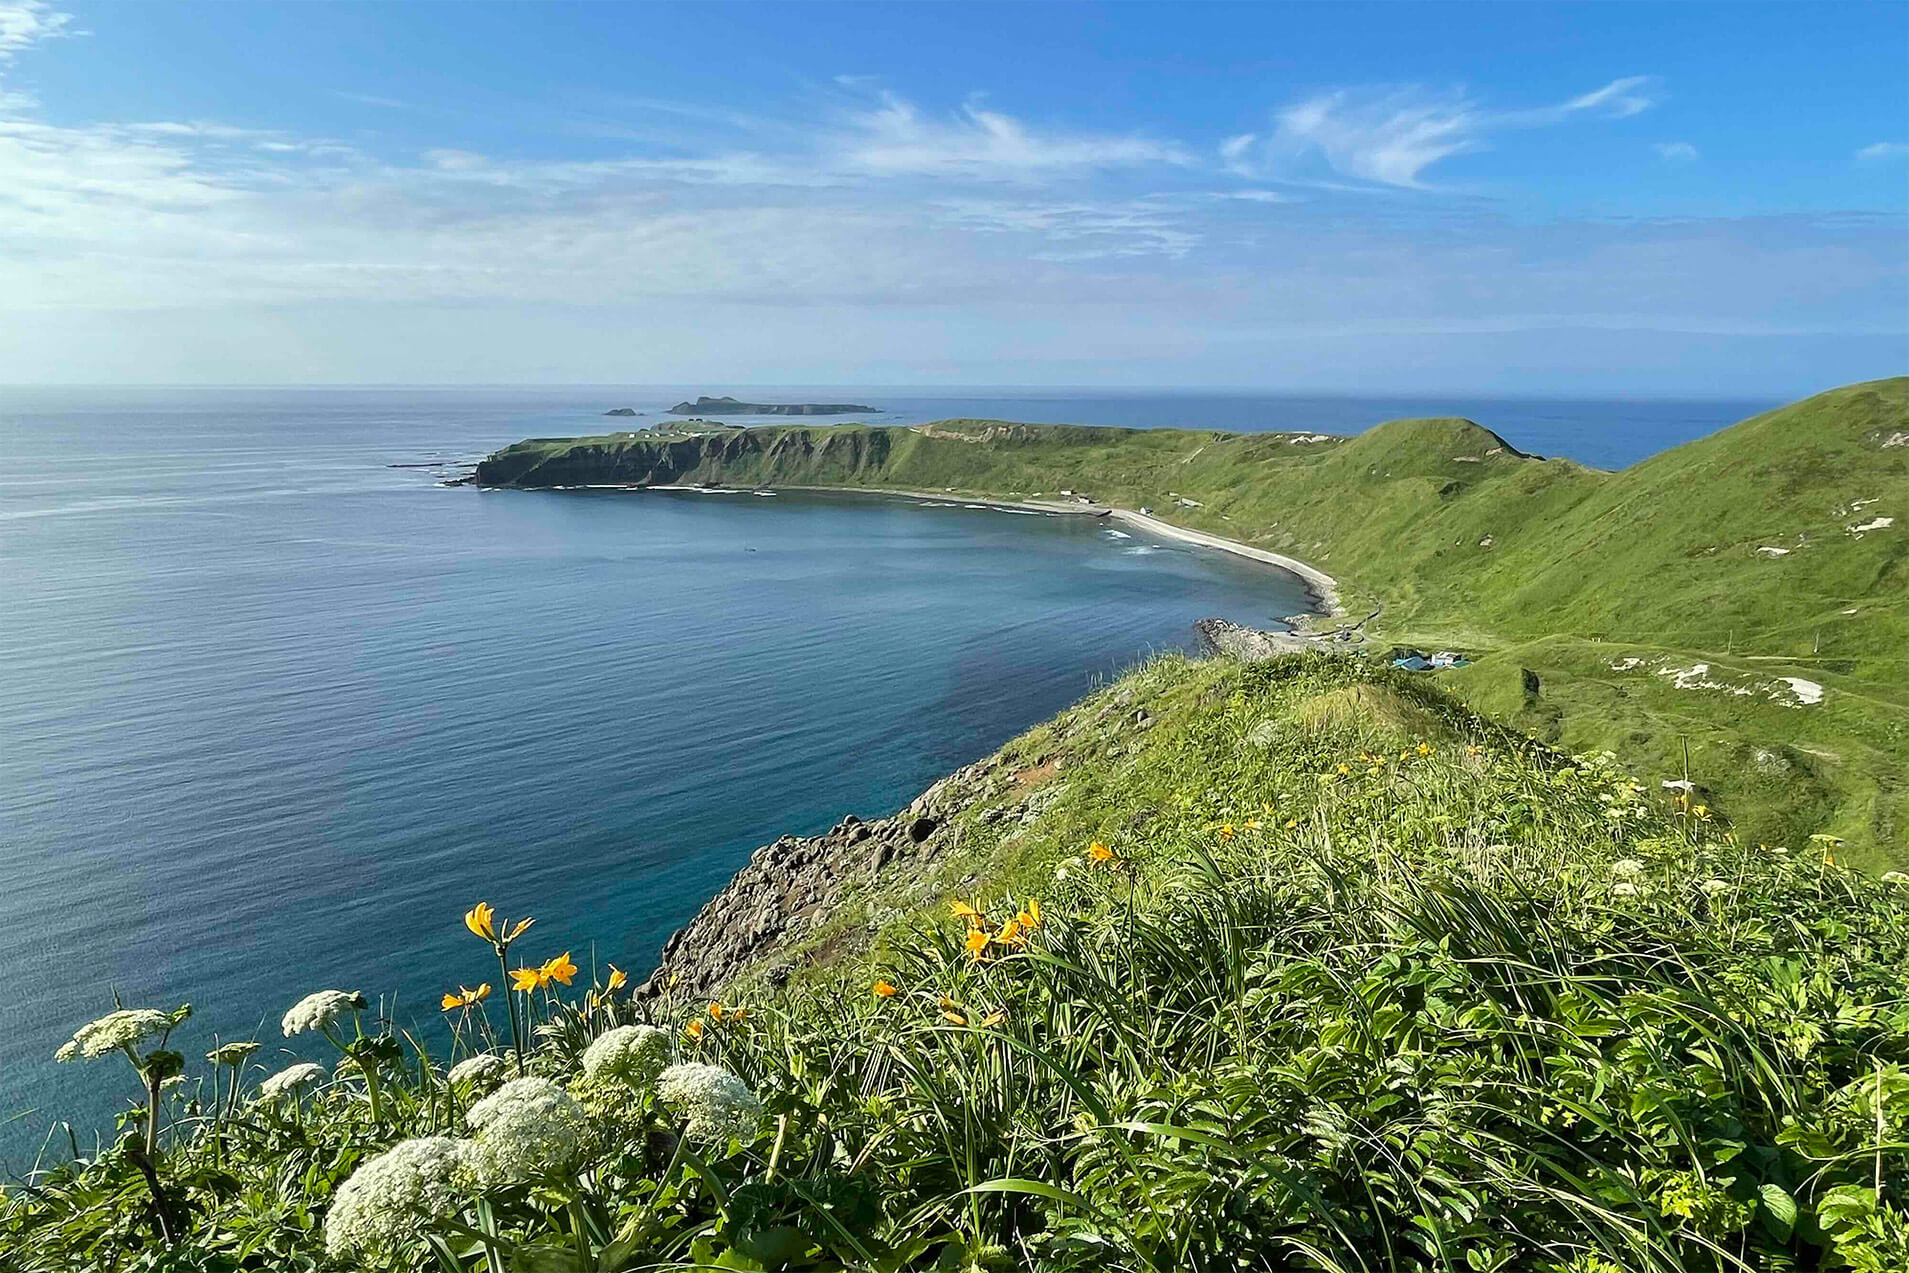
707, 406
1739, 600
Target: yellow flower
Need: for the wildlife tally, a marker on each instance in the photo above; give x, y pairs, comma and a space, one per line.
478, 920
977, 942
1425, 749
558, 969
526, 979
517, 930
465, 997
993, 1019
618, 979
1030, 916
883, 990
1252, 824
715, 1012
1012, 934
1226, 830
961, 910
954, 1018
1098, 852
1292, 823
694, 1029
1345, 770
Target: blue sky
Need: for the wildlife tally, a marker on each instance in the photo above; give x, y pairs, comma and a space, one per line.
1522, 198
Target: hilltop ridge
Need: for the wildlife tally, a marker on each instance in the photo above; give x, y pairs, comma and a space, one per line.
1742, 596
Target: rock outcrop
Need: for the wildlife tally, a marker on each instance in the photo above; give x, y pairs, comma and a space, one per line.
794, 884
1222, 636
622, 411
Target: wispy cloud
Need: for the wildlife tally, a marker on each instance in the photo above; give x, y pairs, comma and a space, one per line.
1392, 137
1883, 150
987, 145
1676, 152
27, 22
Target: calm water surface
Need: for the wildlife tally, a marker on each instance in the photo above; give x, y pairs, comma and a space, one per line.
273, 713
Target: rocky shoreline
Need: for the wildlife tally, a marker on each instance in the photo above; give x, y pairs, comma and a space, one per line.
792, 885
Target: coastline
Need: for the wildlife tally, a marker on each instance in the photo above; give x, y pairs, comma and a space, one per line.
1323, 587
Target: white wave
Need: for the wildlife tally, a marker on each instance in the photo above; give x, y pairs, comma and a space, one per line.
1116, 534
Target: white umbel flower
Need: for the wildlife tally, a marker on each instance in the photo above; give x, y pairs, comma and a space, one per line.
716, 1103
636, 1054
1714, 887
526, 1128
319, 1009
483, 1070
394, 1197
1627, 867
112, 1032
291, 1080
1623, 889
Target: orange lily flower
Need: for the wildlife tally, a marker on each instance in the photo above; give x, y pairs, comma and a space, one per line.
1098, 852
526, 979
558, 969
1030, 916
478, 920
618, 979
1012, 933
961, 910
466, 997
882, 990
694, 1029
715, 1012
977, 943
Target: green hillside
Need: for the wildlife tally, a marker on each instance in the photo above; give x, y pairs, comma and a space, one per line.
1292, 966
1743, 552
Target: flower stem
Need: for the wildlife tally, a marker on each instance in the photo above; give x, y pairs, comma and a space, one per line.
510, 1001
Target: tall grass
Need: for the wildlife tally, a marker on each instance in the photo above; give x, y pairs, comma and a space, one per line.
1394, 990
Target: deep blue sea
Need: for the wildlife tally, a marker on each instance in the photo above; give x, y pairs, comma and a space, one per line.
273, 712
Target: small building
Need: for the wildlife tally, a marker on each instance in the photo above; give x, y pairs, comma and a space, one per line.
1413, 663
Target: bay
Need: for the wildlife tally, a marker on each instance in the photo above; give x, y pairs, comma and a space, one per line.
273, 712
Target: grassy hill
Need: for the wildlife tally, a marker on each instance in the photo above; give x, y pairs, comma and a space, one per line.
1743, 553
1299, 965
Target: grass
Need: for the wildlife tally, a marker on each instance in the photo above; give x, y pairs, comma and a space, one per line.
1532, 563
1368, 982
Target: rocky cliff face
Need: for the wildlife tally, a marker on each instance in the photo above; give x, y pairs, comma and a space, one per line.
795, 883
794, 886
792, 457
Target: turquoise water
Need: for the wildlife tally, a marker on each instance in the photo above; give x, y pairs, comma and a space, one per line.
273, 713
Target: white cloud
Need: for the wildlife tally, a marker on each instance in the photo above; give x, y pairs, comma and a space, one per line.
986, 145
1676, 152
1881, 151
27, 22
1390, 138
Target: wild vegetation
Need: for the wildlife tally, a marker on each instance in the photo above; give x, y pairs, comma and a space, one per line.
1316, 970
1684, 610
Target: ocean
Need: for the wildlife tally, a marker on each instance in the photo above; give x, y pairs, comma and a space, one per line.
274, 711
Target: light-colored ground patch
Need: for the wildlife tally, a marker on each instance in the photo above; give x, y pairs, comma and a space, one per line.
1786, 691
1807, 693
1769, 551
1874, 523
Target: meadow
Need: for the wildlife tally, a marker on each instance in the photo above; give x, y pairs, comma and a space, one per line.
1771, 552
1293, 965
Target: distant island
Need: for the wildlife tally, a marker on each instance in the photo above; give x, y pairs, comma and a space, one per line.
729, 406
622, 411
